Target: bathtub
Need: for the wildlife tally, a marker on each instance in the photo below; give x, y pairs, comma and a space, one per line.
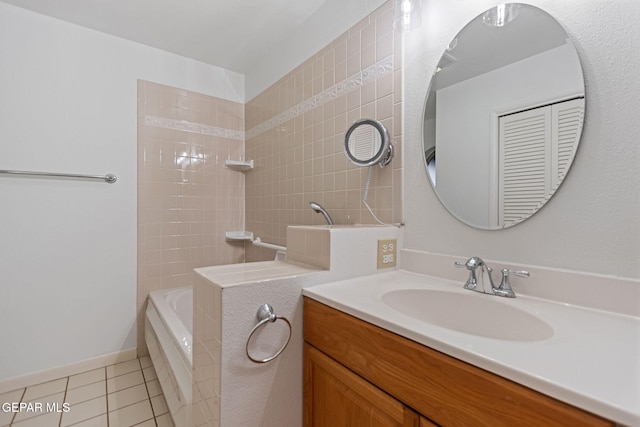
168, 335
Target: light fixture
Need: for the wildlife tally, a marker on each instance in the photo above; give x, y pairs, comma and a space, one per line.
501, 15
407, 15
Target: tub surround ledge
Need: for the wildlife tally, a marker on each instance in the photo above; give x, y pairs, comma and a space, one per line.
229, 389
168, 337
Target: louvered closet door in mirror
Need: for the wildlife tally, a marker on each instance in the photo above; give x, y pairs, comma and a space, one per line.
567, 118
536, 147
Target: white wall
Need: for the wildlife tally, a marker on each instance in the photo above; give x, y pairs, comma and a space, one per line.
68, 247
332, 19
591, 224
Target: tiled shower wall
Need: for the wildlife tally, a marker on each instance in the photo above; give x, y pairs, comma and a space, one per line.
296, 128
187, 198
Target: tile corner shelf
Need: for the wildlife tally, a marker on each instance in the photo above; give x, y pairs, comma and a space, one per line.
239, 165
238, 235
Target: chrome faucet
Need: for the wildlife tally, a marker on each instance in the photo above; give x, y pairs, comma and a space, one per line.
502, 290
319, 209
472, 265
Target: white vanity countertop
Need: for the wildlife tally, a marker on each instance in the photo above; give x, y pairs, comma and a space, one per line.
592, 361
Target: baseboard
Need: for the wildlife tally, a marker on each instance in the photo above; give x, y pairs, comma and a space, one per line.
66, 370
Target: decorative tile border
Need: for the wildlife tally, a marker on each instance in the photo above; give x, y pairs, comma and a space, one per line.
365, 76
352, 83
191, 127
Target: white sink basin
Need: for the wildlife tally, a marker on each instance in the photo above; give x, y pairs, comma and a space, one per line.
472, 313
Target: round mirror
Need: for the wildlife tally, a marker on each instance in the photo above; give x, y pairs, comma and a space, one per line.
503, 116
367, 143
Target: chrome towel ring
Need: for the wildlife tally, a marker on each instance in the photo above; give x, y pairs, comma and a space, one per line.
265, 314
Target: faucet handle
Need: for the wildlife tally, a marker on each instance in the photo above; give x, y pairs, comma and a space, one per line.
521, 273
505, 287
471, 264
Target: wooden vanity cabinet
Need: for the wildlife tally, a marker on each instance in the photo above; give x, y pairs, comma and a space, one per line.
336, 397
357, 374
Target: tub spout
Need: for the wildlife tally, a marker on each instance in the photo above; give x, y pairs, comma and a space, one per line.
319, 209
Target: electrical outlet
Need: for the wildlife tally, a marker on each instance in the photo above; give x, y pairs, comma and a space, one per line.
387, 250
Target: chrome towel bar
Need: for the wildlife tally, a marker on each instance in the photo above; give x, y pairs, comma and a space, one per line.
109, 178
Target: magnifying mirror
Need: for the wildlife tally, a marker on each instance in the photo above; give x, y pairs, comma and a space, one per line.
367, 143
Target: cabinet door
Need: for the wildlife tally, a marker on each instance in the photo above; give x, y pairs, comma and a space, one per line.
426, 423
336, 397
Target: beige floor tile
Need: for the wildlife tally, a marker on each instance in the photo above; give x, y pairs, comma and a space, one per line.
10, 397
45, 389
123, 368
148, 423
46, 420
39, 406
100, 421
149, 374
86, 378
86, 392
130, 401
85, 411
127, 397
124, 381
164, 421
159, 405
145, 362
131, 415
154, 388
6, 418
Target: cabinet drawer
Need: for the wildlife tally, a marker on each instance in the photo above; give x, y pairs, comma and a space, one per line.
444, 389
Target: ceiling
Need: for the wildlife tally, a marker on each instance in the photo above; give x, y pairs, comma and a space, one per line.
478, 48
232, 34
